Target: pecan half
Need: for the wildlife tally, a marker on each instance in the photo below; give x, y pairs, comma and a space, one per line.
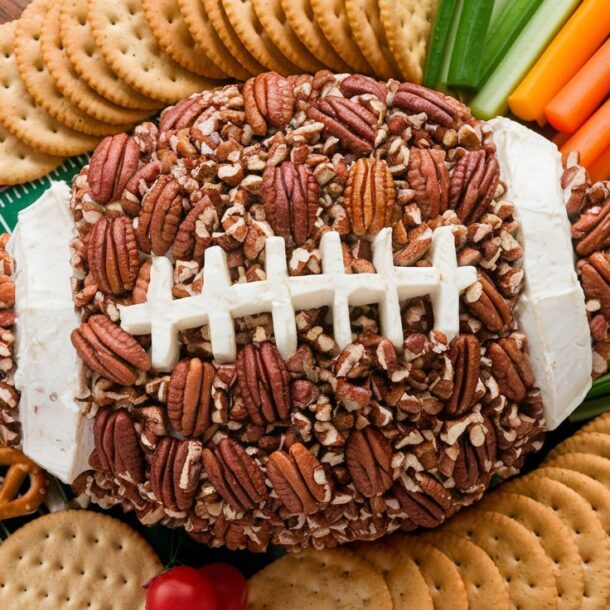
138, 183
113, 163
290, 198
415, 99
264, 382
189, 397
116, 446
370, 196
235, 475
346, 120
358, 84
487, 304
595, 277
477, 451
592, 230
160, 216
428, 176
369, 460
195, 232
268, 98
428, 507
112, 254
465, 356
299, 480
511, 368
140, 289
473, 185
108, 350
174, 472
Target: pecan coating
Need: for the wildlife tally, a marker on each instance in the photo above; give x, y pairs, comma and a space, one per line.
264, 382
108, 350
195, 232
113, 163
189, 397
485, 302
592, 230
511, 367
595, 277
268, 99
429, 177
415, 99
369, 460
358, 84
465, 356
370, 196
143, 178
426, 508
290, 197
476, 456
112, 254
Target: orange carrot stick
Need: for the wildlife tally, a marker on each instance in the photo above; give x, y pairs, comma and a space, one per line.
600, 168
593, 138
576, 102
579, 38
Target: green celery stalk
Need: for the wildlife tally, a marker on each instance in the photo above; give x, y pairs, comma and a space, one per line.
492, 99
590, 409
503, 33
600, 387
499, 6
440, 34
472, 30
441, 84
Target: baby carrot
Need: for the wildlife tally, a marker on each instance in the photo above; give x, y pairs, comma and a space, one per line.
575, 103
593, 138
600, 168
579, 38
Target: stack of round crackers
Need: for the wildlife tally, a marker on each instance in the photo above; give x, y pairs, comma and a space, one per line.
74, 71
538, 542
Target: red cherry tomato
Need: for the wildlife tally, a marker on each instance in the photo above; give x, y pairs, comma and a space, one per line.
181, 588
230, 586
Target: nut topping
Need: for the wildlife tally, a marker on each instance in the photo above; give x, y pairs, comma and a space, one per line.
370, 196
429, 178
268, 98
112, 254
465, 356
485, 302
415, 99
476, 456
369, 460
592, 230
357, 84
595, 277
511, 367
428, 507
108, 350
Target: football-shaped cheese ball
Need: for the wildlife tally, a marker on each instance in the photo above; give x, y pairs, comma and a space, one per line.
309, 310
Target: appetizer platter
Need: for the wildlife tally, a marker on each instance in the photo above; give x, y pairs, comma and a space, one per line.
301, 304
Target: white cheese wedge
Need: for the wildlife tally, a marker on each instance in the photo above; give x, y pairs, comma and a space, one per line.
49, 373
551, 312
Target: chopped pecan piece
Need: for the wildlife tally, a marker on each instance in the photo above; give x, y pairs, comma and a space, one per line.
299, 479
290, 198
465, 356
485, 302
189, 397
415, 99
116, 446
268, 98
370, 196
477, 453
113, 163
595, 277
473, 185
112, 254
160, 216
511, 367
174, 472
143, 178
235, 475
429, 177
108, 350
358, 84
195, 232
428, 507
264, 382
346, 120
592, 229
369, 460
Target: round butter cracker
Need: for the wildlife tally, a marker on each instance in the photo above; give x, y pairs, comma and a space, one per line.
599, 424
75, 560
593, 466
594, 443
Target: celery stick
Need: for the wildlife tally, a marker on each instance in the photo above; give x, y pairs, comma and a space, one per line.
442, 25
601, 387
499, 6
590, 409
504, 32
444, 71
492, 99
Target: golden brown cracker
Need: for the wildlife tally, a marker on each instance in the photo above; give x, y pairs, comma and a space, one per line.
123, 36
554, 537
484, 584
440, 573
77, 40
25, 120
205, 36
245, 23
594, 492
526, 569
403, 578
230, 39
599, 424
71, 85
585, 528
75, 560
174, 37
333, 579
593, 466
273, 19
301, 20
38, 80
332, 19
408, 25
365, 22
19, 163
595, 443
